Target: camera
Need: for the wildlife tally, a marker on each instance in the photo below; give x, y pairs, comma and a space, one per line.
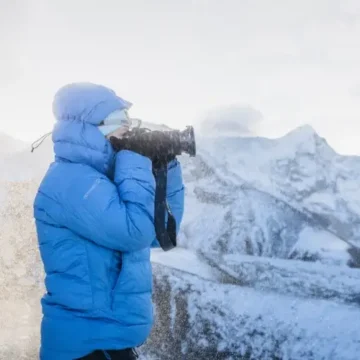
162, 143
161, 146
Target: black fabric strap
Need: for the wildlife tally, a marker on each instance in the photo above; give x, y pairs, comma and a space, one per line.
125, 354
165, 236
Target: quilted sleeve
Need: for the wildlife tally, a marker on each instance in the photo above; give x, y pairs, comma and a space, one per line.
120, 214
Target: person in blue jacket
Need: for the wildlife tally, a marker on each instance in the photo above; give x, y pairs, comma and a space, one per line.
94, 213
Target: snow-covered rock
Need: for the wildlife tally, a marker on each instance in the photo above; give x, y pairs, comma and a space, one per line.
200, 319
295, 278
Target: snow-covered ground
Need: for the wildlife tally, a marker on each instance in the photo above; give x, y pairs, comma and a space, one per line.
262, 270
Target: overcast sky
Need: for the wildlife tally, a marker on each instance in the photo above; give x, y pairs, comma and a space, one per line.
293, 61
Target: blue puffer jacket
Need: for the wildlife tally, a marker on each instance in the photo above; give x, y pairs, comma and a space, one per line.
94, 216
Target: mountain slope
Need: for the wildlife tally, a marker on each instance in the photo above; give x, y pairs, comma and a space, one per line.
300, 169
242, 219
9, 145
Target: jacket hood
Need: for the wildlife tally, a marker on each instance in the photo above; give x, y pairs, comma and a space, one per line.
79, 108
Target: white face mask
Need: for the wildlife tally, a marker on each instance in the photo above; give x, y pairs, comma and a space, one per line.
117, 122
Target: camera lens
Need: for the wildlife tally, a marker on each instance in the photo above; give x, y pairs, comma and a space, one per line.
187, 141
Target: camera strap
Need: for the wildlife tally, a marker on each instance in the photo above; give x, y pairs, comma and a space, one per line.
166, 235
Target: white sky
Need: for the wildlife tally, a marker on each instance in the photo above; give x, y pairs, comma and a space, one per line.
294, 61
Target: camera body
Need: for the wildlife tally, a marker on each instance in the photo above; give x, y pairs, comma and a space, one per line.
162, 144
